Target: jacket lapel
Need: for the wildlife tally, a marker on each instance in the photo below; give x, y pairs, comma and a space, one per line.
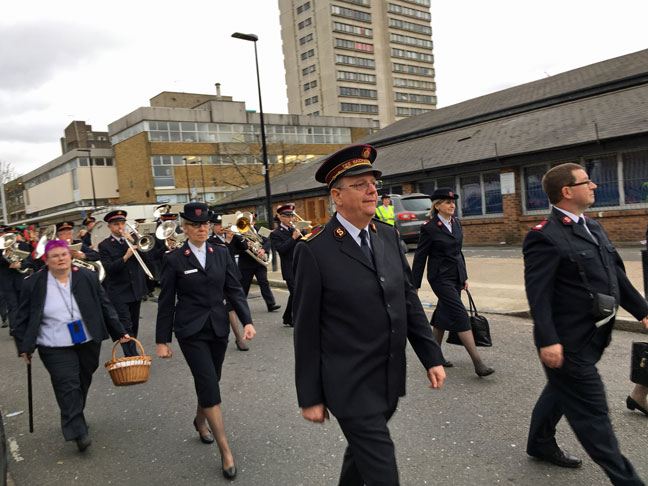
191, 258
577, 229
348, 245
442, 226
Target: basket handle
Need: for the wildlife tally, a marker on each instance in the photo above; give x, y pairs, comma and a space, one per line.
132, 339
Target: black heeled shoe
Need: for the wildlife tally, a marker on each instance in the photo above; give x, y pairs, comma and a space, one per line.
632, 404
486, 372
230, 472
205, 439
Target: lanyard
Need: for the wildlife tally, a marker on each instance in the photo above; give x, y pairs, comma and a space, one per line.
68, 307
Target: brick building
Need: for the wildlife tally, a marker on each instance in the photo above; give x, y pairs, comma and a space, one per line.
188, 146
494, 150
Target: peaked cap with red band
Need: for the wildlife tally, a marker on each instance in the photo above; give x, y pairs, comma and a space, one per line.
64, 225
286, 209
353, 160
112, 216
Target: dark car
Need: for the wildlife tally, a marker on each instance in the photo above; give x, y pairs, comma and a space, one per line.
410, 212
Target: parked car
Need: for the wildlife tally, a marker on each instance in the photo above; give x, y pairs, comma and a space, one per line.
410, 212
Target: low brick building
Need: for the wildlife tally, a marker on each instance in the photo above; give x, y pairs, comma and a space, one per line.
494, 150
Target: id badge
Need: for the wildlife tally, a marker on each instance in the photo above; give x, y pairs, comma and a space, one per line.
76, 332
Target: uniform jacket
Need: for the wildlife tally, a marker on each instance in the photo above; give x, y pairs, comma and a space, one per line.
11, 279
442, 250
125, 281
352, 321
284, 244
245, 260
559, 300
97, 312
199, 293
233, 247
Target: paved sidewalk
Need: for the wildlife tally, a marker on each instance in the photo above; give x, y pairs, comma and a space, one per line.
496, 282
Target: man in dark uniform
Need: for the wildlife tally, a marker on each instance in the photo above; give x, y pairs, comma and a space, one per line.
12, 276
85, 234
4, 312
568, 259
251, 268
65, 232
234, 243
354, 309
125, 280
283, 239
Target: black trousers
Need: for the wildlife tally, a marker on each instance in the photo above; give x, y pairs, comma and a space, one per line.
369, 458
10, 298
71, 370
4, 311
577, 392
287, 315
129, 313
261, 274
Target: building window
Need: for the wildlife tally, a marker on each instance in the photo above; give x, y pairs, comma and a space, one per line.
424, 3
470, 190
364, 3
305, 39
409, 12
308, 70
312, 84
417, 56
355, 61
635, 177
163, 176
305, 23
409, 69
413, 83
307, 54
407, 111
358, 92
411, 41
352, 29
404, 25
603, 171
415, 98
358, 77
354, 45
358, 108
492, 193
303, 7
535, 198
311, 101
350, 13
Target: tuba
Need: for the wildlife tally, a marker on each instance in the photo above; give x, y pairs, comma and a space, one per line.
242, 226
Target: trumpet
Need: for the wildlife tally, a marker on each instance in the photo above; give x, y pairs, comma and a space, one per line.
242, 227
11, 252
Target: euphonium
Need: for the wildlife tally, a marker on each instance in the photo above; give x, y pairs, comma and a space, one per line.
242, 227
92, 266
11, 252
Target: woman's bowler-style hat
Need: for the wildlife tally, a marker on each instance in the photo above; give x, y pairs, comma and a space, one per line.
196, 212
444, 193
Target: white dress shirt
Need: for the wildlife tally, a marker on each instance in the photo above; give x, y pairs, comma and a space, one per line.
200, 253
353, 231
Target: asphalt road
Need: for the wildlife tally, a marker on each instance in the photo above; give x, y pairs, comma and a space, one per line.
472, 432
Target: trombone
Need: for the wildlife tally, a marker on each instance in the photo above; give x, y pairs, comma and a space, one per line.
147, 245
300, 223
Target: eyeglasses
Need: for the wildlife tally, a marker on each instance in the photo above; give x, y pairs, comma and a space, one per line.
363, 186
588, 182
197, 225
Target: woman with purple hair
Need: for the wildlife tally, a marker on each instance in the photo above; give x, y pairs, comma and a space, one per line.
65, 313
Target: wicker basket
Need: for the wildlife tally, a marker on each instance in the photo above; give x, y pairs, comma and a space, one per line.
130, 370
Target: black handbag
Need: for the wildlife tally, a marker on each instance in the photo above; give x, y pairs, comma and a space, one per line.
479, 325
639, 363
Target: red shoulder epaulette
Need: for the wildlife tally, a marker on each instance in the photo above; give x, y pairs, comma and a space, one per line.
317, 230
540, 225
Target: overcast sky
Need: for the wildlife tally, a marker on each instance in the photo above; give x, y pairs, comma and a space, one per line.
79, 60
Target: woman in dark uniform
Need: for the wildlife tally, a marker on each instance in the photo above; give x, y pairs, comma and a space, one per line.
201, 276
440, 245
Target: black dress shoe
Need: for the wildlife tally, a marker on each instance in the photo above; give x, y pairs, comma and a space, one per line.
632, 404
447, 364
559, 458
230, 472
205, 439
83, 442
486, 372
4, 324
288, 324
273, 307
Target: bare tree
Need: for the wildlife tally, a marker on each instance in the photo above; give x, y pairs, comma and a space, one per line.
7, 172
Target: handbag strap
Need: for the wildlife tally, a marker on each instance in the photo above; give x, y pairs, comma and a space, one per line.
472, 308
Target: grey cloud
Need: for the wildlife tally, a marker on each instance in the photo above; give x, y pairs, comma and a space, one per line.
42, 132
32, 53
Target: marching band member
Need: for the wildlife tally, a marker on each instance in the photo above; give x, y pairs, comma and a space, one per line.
65, 312
125, 281
65, 232
85, 234
284, 238
196, 280
11, 278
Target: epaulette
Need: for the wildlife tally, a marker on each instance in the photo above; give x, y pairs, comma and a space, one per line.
426, 222
314, 232
540, 225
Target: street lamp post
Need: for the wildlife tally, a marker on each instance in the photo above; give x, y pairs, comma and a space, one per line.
254, 38
187, 173
202, 176
94, 199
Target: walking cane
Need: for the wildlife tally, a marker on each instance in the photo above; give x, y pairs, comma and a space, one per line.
29, 398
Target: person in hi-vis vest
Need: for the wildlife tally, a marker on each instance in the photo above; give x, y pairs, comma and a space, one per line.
385, 212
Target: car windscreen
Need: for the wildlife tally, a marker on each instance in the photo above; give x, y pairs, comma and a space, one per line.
416, 204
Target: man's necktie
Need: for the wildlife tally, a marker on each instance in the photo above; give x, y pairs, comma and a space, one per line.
581, 221
364, 245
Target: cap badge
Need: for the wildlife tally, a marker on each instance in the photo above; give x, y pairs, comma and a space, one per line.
339, 232
450, 194
366, 152
198, 212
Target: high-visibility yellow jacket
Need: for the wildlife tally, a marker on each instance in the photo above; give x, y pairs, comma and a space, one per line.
385, 215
